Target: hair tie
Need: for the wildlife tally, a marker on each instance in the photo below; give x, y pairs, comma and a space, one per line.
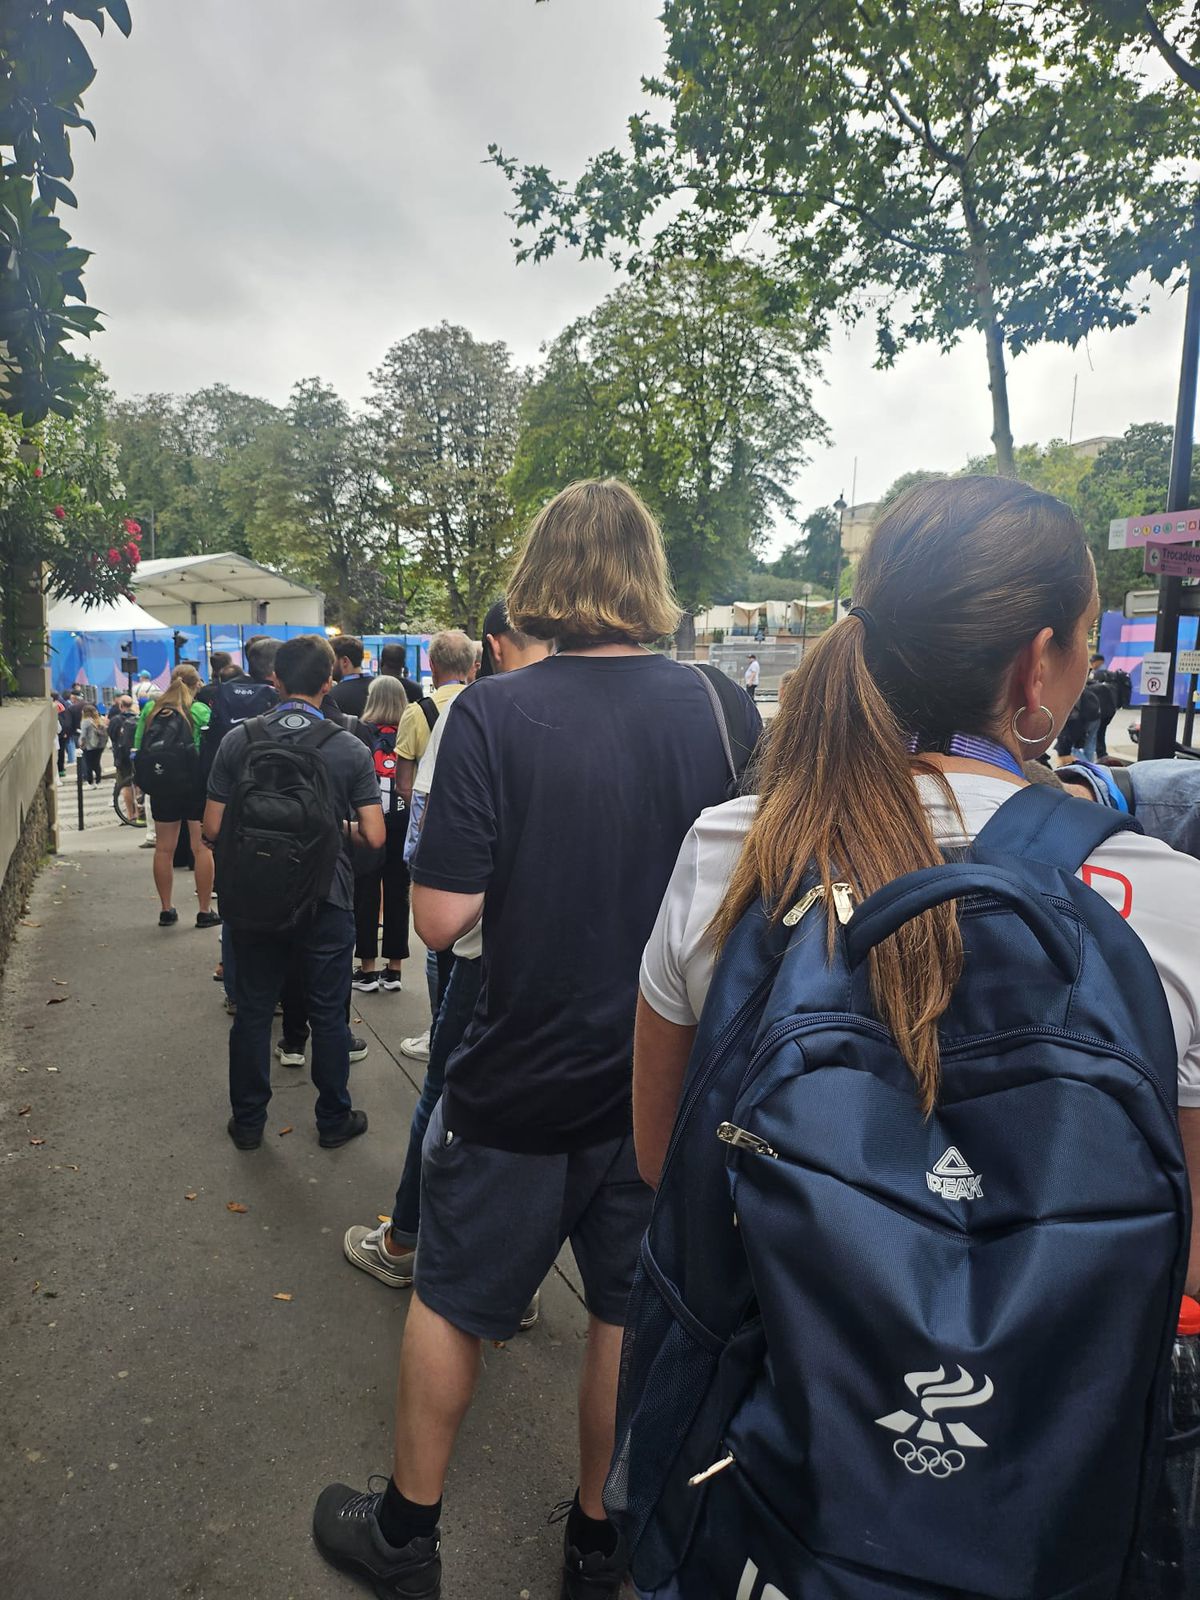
864, 616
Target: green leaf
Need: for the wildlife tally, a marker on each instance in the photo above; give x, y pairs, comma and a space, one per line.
52, 191
119, 12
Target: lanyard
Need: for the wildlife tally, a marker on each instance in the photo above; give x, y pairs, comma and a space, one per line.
976, 747
301, 705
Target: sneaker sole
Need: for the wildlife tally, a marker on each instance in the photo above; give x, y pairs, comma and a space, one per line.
375, 1268
290, 1061
365, 988
384, 1589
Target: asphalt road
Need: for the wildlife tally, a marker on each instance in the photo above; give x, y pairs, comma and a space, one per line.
167, 1422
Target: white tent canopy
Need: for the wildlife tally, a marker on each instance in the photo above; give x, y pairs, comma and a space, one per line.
72, 616
225, 588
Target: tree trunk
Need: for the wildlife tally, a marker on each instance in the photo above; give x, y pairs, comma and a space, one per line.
984, 294
685, 638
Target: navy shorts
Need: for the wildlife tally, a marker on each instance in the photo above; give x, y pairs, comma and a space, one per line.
493, 1222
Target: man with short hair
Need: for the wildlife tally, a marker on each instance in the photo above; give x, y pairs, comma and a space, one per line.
750, 677
325, 945
222, 669
393, 663
351, 683
451, 666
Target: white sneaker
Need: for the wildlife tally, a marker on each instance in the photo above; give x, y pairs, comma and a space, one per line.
364, 1248
288, 1058
416, 1049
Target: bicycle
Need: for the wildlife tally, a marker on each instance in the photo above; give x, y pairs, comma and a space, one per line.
120, 786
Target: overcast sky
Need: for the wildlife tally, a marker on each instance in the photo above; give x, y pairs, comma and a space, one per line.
282, 188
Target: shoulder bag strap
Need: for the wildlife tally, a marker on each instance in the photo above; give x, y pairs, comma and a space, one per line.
718, 711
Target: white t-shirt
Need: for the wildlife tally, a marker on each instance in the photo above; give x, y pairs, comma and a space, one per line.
750, 677
1155, 888
470, 946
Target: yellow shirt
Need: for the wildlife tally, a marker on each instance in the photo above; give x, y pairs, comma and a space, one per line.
413, 733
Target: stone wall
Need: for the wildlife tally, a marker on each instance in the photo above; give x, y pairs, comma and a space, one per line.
28, 811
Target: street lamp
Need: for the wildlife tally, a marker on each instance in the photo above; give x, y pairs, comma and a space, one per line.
839, 505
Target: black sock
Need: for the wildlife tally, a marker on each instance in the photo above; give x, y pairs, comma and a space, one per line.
590, 1535
401, 1521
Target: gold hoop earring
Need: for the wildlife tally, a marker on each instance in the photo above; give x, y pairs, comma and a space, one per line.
1041, 738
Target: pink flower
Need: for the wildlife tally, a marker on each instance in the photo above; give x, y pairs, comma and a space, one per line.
132, 554
114, 558
37, 472
132, 528
60, 513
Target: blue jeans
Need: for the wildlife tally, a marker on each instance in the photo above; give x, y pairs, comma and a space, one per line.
457, 1009
1086, 749
325, 951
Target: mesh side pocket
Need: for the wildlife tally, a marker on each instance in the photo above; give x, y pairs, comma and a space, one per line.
668, 1364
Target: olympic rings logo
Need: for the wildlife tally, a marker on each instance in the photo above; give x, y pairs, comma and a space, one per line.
928, 1458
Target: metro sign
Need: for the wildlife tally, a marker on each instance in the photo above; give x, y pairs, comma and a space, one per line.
1165, 527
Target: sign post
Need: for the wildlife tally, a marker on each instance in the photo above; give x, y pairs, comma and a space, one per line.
1159, 721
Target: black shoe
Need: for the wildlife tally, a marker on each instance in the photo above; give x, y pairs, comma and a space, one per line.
594, 1576
208, 919
355, 1123
168, 919
346, 1532
359, 1048
245, 1138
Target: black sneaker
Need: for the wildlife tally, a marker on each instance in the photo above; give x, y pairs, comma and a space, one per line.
346, 1532
245, 1138
594, 1576
208, 919
355, 1123
359, 1048
365, 982
389, 979
168, 919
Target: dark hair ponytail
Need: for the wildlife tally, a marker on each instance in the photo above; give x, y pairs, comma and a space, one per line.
958, 576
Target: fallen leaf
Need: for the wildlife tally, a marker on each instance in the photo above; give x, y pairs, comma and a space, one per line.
235, 1205
281, 1297
70, 1168
191, 1196
61, 982
58, 1000
382, 1218
22, 1069
27, 924
288, 1129
36, 1287
24, 1111
37, 1141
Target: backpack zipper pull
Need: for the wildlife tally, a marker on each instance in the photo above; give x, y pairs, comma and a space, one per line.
730, 1133
710, 1472
843, 902
804, 905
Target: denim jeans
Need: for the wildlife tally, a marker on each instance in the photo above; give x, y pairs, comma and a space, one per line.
457, 1009
262, 964
1086, 750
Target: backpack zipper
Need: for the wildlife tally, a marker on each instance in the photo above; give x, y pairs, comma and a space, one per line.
843, 904
730, 1133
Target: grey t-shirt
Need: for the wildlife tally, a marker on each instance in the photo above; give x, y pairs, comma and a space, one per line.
351, 776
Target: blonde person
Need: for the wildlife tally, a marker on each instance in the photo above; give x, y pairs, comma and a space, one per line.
561, 796
166, 760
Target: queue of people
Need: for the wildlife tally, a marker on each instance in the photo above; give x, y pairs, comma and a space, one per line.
854, 1073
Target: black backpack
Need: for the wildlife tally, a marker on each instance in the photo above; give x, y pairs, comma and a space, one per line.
121, 729
167, 766
280, 838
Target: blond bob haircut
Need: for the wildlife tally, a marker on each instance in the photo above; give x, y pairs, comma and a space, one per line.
593, 570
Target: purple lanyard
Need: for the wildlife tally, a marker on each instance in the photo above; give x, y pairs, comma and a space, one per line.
975, 747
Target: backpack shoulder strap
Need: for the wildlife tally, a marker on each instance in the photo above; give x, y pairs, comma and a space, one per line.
719, 713
256, 730
1046, 825
431, 710
322, 733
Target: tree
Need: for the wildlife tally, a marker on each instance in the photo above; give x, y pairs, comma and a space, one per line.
316, 511
1168, 28
443, 412
952, 155
814, 557
1128, 478
44, 71
690, 384
193, 462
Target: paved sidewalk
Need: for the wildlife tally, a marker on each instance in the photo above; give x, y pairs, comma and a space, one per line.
167, 1422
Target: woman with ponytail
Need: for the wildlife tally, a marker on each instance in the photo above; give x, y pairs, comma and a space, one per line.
903, 730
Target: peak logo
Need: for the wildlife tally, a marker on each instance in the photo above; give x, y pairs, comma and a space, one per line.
749, 1588
953, 1179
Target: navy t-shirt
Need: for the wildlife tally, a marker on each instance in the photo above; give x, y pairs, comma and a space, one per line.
563, 792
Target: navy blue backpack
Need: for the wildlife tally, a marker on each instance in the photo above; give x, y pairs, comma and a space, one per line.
874, 1355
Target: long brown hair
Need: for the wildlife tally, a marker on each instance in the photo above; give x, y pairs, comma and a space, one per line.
958, 576
179, 693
